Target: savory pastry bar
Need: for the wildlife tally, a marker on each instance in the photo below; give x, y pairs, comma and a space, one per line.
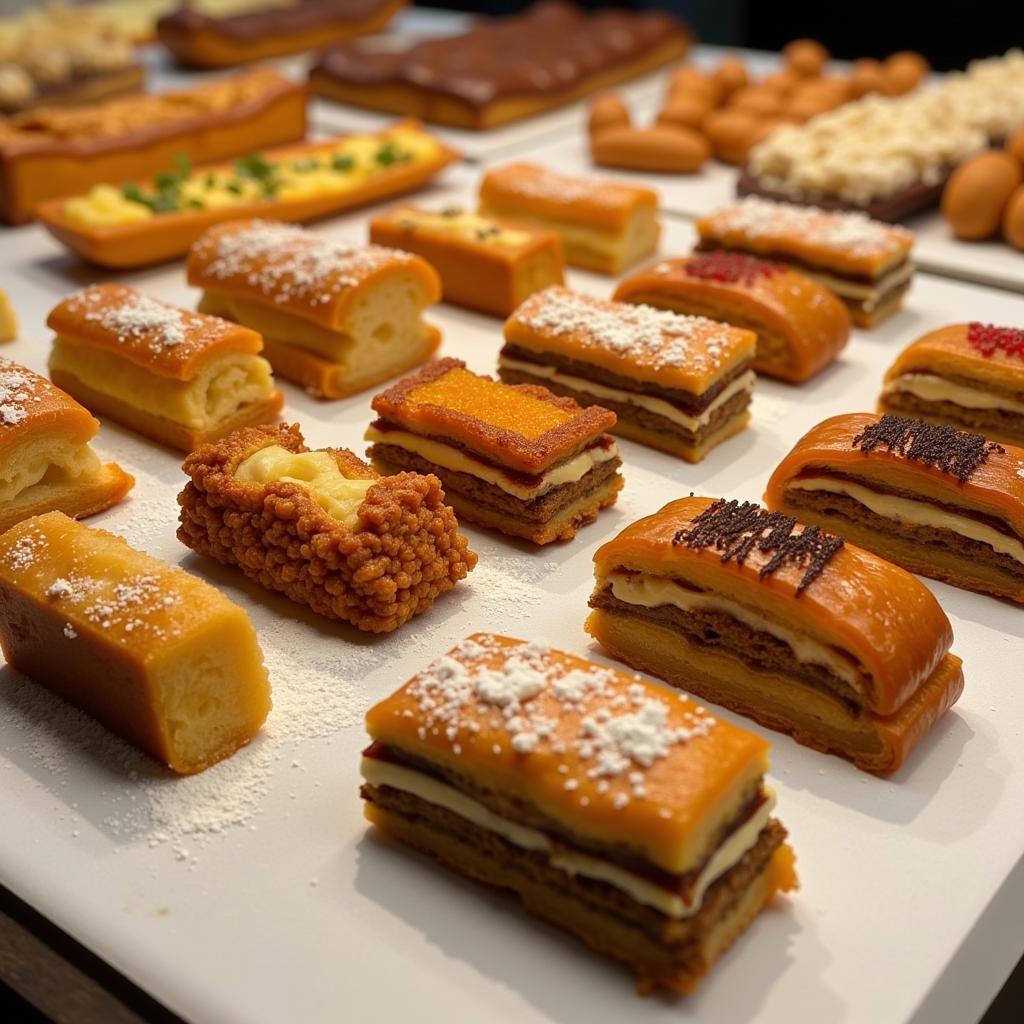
159, 657
515, 458
681, 384
322, 528
779, 621
621, 813
933, 499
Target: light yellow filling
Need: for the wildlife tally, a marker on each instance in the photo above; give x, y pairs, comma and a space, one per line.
932, 388
639, 235
869, 294
42, 465
462, 224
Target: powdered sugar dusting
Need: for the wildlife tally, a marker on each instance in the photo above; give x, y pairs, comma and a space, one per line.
18, 387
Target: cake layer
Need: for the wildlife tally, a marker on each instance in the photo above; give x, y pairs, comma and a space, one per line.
996, 423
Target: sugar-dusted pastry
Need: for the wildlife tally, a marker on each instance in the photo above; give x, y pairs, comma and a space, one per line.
335, 318
515, 458
8, 318
681, 384
178, 377
44, 449
605, 226
800, 325
782, 622
622, 813
322, 527
158, 656
485, 264
937, 501
970, 376
865, 262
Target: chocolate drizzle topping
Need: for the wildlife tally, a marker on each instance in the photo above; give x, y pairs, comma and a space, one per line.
946, 449
736, 529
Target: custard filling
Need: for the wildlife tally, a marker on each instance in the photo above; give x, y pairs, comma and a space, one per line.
41, 468
930, 387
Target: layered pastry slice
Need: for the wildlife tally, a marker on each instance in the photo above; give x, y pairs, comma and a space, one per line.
605, 226
680, 384
515, 458
322, 527
864, 262
178, 377
800, 325
485, 264
622, 813
938, 501
335, 318
46, 462
779, 621
159, 657
970, 376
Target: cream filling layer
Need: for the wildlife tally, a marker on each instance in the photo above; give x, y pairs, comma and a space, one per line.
869, 294
655, 591
447, 457
42, 467
744, 382
918, 513
931, 388
408, 780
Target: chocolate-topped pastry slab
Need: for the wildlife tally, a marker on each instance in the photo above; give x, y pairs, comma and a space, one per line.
503, 69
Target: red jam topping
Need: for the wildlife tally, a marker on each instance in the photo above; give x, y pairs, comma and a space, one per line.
731, 267
989, 339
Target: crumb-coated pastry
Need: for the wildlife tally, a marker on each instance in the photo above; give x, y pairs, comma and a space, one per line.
515, 458
322, 527
158, 656
680, 384
335, 318
936, 500
484, 264
800, 325
622, 813
605, 226
779, 621
865, 262
8, 318
47, 461
178, 377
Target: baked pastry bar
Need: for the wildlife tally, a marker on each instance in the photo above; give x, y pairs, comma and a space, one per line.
604, 225
159, 657
484, 264
937, 501
800, 325
322, 528
782, 622
45, 454
180, 378
624, 814
864, 262
335, 318
970, 376
681, 384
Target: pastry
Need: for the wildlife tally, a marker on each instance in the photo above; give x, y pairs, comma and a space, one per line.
51, 152
44, 448
677, 383
626, 815
322, 527
484, 264
502, 69
131, 225
335, 318
8, 319
605, 226
515, 458
180, 378
978, 192
800, 325
782, 622
933, 499
864, 262
159, 657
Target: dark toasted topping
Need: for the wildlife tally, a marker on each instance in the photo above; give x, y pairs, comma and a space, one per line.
989, 339
731, 267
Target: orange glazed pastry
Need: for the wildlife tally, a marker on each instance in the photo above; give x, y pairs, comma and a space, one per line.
159, 657
800, 325
681, 384
322, 527
782, 622
335, 318
180, 378
622, 813
515, 458
939, 502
